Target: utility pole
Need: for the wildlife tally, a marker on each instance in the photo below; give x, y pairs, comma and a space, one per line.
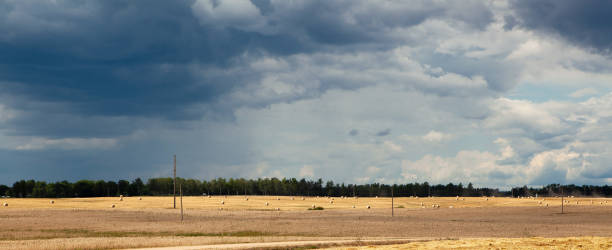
174, 192
392, 200
181, 190
561, 199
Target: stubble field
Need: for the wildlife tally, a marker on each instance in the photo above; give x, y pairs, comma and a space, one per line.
92, 223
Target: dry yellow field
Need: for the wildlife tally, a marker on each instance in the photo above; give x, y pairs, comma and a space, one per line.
291, 203
92, 223
500, 243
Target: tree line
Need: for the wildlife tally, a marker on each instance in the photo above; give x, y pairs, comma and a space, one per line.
275, 186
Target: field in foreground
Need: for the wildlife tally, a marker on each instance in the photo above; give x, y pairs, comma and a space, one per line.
91, 223
500, 243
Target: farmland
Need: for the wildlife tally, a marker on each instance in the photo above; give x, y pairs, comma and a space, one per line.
152, 222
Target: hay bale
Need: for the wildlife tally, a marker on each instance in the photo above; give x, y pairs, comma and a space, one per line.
368, 207
139, 198
313, 206
331, 202
5, 204
52, 201
112, 205
246, 198
450, 207
222, 202
353, 206
303, 198
277, 209
267, 203
292, 198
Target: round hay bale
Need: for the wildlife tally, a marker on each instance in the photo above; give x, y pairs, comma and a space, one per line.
112, 205
450, 207
277, 209
331, 202
139, 198
303, 198
278, 198
52, 201
292, 198
353, 206
368, 207
313, 206
222, 202
246, 198
267, 203
5, 204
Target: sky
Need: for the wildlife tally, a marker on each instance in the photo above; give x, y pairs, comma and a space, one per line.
496, 93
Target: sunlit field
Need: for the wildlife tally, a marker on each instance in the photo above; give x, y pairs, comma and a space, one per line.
138, 222
287, 203
501, 243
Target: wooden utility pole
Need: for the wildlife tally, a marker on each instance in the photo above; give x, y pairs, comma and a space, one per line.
181, 191
391, 201
174, 192
562, 199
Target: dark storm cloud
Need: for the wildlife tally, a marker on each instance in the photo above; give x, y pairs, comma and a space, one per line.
353, 132
145, 59
586, 23
384, 132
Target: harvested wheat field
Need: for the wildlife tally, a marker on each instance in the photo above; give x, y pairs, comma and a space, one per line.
134, 222
500, 243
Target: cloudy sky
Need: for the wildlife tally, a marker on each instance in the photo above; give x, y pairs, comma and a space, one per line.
495, 93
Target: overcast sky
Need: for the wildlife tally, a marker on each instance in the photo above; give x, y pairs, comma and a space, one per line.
495, 93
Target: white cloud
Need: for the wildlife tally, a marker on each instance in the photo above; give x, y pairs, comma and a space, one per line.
6, 113
393, 147
307, 171
435, 136
234, 13
69, 144
584, 92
